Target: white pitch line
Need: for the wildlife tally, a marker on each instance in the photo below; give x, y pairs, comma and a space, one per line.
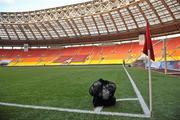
138, 94
98, 109
74, 110
126, 99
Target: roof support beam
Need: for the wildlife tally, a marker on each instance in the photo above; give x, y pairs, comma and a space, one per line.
46, 30
38, 30
22, 30
154, 10
178, 1
168, 9
6, 31
62, 28
95, 24
73, 22
71, 27
113, 21
132, 17
82, 18
102, 18
14, 31
123, 20
141, 11
31, 31
53, 29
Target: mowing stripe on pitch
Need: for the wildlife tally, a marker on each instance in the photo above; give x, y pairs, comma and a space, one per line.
73, 110
138, 94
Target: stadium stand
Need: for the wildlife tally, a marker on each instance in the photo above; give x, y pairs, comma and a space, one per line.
112, 54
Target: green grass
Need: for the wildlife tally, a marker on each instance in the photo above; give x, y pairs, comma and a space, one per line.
67, 87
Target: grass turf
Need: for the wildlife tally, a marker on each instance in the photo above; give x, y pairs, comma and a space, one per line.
67, 87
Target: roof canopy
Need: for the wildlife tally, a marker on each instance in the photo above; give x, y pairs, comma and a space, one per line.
100, 20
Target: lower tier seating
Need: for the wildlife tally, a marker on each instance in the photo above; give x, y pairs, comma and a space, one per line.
112, 54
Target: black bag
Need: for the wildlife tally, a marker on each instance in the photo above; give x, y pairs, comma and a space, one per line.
103, 93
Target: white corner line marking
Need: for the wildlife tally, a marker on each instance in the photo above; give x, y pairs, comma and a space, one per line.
73, 110
138, 94
98, 109
126, 99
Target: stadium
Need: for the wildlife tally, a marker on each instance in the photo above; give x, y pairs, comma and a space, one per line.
49, 59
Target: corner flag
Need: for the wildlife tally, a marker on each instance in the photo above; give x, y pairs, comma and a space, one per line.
148, 43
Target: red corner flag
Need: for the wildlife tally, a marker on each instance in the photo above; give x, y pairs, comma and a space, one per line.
148, 43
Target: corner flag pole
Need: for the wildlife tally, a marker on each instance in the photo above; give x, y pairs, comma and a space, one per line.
165, 56
148, 50
150, 82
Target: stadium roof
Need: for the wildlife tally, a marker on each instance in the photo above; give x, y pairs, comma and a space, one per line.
99, 20
29, 5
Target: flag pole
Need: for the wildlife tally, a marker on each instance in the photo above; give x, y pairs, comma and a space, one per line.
165, 56
150, 82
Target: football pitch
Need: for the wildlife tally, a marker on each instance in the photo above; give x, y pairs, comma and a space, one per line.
68, 87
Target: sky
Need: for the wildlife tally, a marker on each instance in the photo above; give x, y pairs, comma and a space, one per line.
29, 5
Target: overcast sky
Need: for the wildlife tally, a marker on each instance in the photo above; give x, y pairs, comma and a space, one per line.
27, 5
